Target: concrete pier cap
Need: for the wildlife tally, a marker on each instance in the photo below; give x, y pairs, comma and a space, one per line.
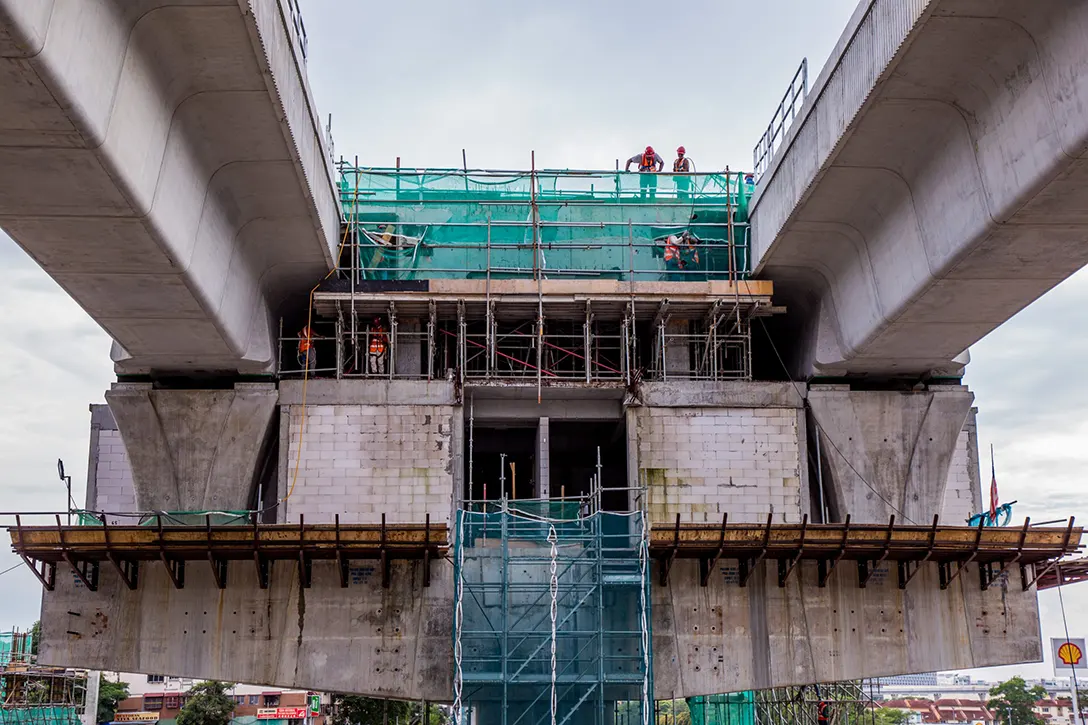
193, 450
888, 452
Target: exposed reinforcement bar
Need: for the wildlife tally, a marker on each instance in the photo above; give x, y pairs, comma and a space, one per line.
952, 548
84, 548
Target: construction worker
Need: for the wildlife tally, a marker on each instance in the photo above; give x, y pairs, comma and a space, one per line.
689, 254
377, 349
683, 165
673, 262
823, 712
307, 355
649, 164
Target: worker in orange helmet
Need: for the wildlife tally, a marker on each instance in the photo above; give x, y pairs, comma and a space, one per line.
683, 165
377, 349
307, 355
649, 164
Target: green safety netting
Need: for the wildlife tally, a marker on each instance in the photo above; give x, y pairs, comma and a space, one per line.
552, 617
738, 708
31, 715
173, 518
14, 646
596, 225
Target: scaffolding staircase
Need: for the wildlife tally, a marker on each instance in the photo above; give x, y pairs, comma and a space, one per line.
552, 614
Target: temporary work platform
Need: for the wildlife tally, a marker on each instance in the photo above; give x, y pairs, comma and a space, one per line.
552, 613
33, 694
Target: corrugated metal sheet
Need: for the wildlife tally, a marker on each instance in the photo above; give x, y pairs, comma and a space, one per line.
879, 37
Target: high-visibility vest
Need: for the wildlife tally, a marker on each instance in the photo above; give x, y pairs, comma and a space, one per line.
377, 341
672, 251
648, 162
821, 712
306, 339
682, 165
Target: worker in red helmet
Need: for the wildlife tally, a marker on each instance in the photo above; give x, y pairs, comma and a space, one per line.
649, 164
377, 347
683, 165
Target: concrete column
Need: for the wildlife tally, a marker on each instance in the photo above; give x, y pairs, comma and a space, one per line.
677, 352
543, 459
193, 450
888, 452
409, 348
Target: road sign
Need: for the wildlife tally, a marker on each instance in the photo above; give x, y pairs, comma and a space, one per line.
1070, 655
315, 704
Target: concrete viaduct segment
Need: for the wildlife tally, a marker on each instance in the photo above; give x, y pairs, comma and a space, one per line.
933, 185
164, 162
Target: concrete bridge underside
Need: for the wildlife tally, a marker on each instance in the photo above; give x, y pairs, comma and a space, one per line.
936, 184
163, 161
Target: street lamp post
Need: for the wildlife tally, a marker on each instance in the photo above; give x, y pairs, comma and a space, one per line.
67, 480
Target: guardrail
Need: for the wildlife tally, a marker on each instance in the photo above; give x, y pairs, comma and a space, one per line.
781, 121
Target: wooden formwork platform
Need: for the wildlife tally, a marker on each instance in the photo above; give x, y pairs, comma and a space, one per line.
994, 549
125, 547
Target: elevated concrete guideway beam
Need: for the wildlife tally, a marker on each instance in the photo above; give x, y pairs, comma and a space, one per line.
163, 161
934, 184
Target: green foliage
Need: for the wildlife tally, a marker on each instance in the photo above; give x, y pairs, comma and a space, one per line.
1012, 701
35, 636
888, 716
670, 712
208, 704
356, 710
110, 695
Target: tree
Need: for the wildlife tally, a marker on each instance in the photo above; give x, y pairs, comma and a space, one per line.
110, 695
35, 636
357, 710
1012, 701
208, 704
887, 716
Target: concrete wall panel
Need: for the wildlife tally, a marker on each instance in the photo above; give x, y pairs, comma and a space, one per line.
888, 452
724, 638
365, 639
193, 450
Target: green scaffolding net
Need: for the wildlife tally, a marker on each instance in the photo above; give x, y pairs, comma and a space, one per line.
31, 694
552, 620
738, 708
441, 223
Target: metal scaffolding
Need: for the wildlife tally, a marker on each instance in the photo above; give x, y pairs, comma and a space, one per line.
552, 612
33, 694
541, 333
842, 703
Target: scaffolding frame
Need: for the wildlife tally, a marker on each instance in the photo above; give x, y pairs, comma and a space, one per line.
543, 332
552, 610
847, 703
33, 694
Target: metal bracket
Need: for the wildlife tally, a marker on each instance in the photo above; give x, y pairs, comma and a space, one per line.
1050, 565
259, 562
127, 569
746, 567
666, 563
427, 553
384, 558
824, 567
786, 567
866, 569
947, 576
341, 560
907, 569
219, 566
707, 565
305, 566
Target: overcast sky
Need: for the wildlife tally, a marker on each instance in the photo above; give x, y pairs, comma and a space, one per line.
582, 83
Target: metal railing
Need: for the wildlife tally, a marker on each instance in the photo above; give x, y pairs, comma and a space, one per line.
781, 121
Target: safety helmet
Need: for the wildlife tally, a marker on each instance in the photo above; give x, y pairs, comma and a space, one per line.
681, 150
649, 149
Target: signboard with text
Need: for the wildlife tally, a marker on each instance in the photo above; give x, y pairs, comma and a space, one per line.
136, 717
1069, 655
281, 713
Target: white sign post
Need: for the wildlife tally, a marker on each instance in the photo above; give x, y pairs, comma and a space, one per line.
1070, 658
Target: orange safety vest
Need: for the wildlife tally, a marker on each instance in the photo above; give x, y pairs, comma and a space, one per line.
672, 251
377, 341
648, 163
306, 339
682, 165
